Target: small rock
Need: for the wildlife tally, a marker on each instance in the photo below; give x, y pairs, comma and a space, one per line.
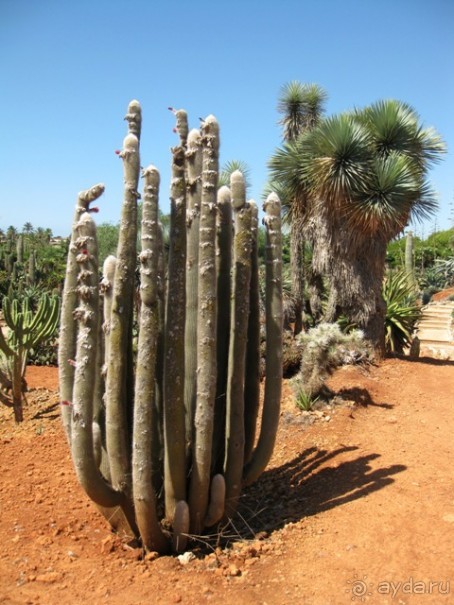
250, 562
107, 545
186, 557
233, 571
48, 578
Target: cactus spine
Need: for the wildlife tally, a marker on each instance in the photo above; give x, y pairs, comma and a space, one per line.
191, 412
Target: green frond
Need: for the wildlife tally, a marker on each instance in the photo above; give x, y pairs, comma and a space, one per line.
301, 106
285, 167
393, 194
395, 128
230, 167
336, 157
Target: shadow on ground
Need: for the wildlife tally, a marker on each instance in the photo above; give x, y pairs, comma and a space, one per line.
47, 412
432, 361
361, 397
313, 482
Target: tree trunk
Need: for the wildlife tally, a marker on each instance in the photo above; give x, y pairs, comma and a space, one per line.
297, 269
355, 267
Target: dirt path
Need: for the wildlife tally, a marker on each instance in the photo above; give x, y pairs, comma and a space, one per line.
357, 507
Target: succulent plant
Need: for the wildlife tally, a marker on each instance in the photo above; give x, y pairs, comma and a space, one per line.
162, 428
26, 330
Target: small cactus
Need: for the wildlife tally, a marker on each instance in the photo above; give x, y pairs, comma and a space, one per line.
177, 441
26, 331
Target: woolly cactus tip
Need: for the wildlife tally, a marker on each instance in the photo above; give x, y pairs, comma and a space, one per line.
98, 189
182, 124
224, 195
210, 126
92, 194
151, 173
272, 204
209, 120
134, 111
253, 205
130, 144
194, 138
238, 189
134, 117
108, 268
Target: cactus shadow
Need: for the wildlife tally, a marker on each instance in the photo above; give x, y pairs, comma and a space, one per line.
313, 482
361, 397
46, 412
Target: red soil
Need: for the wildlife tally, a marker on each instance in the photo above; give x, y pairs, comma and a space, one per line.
357, 506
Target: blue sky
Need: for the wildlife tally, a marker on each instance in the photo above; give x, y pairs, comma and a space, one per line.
69, 68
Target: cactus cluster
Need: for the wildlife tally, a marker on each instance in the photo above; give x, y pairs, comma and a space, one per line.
19, 273
162, 426
26, 330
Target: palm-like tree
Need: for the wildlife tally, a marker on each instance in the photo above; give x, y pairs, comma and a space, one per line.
11, 233
367, 172
301, 106
27, 229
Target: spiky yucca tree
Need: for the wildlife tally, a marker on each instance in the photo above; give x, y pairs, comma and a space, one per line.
302, 107
367, 172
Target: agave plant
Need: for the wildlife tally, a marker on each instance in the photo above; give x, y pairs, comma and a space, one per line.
402, 312
444, 269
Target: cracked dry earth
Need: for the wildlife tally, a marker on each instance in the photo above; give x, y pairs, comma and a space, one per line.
356, 506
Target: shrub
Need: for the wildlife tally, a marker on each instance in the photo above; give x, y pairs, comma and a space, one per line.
304, 401
402, 312
323, 349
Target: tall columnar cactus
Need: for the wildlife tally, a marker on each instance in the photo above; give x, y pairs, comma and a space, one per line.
31, 271
26, 330
171, 440
20, 249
